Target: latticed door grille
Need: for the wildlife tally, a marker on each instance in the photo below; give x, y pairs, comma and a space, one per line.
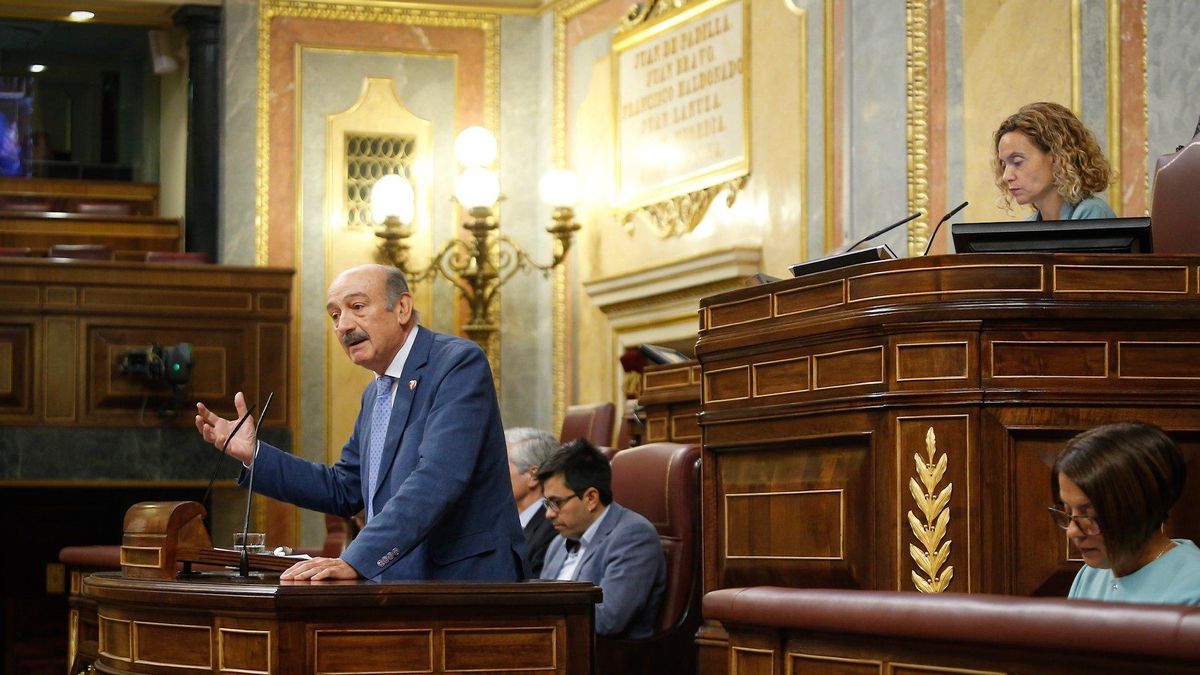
369, 158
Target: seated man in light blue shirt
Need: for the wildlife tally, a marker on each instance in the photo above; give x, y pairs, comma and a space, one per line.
602, 542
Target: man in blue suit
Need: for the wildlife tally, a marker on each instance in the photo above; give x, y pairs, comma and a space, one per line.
426, 459
602, 542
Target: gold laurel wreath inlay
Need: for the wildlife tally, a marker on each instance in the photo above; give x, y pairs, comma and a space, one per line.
936, 512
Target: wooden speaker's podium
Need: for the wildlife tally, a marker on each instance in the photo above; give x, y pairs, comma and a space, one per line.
155, 619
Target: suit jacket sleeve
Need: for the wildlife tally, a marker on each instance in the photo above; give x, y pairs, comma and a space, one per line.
630, 570
326, 489
453, 434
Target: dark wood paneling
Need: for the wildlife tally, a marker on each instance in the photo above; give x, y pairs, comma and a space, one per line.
72, 321
17, 338
1003, 360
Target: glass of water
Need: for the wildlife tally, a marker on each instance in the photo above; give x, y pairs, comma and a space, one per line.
253, 542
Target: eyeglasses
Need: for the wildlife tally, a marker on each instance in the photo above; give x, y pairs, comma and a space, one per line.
1087, 524
555, 504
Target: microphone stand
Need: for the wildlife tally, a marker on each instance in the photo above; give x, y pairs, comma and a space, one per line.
244, 561
937, 227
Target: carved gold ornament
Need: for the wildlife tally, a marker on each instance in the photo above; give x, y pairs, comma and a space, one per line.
936, 512
681, 214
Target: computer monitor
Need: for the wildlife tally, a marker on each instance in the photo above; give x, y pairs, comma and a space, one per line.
1100, 235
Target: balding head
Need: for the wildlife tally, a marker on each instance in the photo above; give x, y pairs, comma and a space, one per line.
372, 314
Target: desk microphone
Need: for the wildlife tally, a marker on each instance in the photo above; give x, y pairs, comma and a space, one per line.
224, 449
946, 217
885, 230
244, 563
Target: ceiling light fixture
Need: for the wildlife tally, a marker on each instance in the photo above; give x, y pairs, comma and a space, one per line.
81, 15
36, 67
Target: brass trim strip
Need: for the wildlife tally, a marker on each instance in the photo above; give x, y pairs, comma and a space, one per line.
775, 298
966, 365
821, 657
136, 650
1041, 283
221, 650
882, 368
158, 554
1122, 343
945, 669
724, 370
553, 630
1108, 269
992, 356
827, 37
733, 657
675, 431
754, 377
841, 525
1076, 59
1112, 45
102, 647
317, 646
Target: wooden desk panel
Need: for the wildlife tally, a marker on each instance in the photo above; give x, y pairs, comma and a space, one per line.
262, 625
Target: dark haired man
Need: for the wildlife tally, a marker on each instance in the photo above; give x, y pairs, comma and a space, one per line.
602, 542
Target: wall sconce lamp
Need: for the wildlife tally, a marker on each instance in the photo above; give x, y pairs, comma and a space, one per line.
480, 265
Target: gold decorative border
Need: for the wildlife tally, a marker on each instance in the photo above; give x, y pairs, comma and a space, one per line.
916, 15
564, 12
828, 26
966, 366
1076, 58
678, 208
931, 531
1113, 52
992, 359
487, 23
270, 652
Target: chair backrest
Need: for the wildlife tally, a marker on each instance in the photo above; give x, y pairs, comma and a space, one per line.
661, 482
82, 251
1175, 204
593, 421
176, 257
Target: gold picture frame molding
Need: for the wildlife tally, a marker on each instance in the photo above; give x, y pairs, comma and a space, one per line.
677, 207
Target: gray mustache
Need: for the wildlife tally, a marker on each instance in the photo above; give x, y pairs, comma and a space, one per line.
355, 336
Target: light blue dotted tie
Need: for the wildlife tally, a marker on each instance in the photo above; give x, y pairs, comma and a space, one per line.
379, 426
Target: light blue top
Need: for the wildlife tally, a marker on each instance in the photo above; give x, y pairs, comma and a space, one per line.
1172, 579
1087, 208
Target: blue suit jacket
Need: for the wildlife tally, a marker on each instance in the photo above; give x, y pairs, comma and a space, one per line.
625, 559
444, 508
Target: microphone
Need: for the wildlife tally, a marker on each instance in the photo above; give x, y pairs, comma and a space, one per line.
224, 449
946, 217
244, 563
885, 230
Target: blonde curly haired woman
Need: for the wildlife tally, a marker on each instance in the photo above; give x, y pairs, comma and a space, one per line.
1047, 159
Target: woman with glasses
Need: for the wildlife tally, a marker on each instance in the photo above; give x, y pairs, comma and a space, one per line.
1113, 487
